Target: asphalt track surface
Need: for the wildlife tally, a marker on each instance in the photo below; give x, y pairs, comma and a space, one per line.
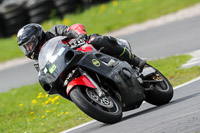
181, 115
178, 37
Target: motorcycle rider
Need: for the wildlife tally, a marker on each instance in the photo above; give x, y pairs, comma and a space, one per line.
31, 38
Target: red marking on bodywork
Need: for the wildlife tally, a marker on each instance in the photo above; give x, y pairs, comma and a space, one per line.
83, 80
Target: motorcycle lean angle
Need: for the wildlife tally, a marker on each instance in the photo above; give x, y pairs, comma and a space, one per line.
100, 85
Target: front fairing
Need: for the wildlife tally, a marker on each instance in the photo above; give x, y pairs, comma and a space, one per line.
54, 57
56, 60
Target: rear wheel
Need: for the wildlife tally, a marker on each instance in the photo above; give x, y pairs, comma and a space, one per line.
161, 92
105, 109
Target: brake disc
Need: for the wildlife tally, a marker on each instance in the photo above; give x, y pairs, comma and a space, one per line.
103, 101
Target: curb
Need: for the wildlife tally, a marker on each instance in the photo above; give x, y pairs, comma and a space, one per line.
14, 63
195, 61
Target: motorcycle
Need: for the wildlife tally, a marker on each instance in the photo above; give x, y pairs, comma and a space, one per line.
100, 85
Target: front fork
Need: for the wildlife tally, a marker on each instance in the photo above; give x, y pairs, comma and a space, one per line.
98, 90
85, 80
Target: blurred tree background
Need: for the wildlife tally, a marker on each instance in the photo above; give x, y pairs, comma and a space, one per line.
15, 14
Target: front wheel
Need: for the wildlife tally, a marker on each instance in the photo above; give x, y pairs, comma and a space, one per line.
162, 91
105, 109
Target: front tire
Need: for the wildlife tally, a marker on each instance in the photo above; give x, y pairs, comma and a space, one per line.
107, 111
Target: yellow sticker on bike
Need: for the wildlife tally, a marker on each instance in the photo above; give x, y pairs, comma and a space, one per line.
96, 62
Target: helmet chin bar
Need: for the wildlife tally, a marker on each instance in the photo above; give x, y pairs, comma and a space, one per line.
32, 55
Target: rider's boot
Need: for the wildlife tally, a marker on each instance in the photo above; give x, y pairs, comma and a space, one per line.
132, 59
136, 61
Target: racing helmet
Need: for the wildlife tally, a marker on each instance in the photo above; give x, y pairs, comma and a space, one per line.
29, 39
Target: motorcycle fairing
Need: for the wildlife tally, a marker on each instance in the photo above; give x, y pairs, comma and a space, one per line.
131, 91
83, 80
91, 62
65, 60
50, 68
127, 84
68, 59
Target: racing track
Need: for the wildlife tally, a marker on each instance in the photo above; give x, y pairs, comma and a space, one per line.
181, 115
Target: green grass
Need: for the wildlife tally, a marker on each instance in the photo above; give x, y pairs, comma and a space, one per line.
27, 109
116, 14
9, 49
105, 18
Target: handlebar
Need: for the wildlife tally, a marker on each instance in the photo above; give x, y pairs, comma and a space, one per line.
75, 45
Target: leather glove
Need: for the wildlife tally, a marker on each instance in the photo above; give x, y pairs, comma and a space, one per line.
71, 34
82, 38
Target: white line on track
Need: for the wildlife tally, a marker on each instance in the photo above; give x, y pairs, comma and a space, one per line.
90, 122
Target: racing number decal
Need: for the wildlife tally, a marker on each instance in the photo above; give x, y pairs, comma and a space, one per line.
96, 62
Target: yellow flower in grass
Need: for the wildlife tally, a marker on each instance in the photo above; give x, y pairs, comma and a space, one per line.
43, 104
102, 8
62, 113
48, 111
57, 103
40, 95
41, 124
115, 2
31, 113
52, 101
43, 117
34, 101
66, 113
58, 115
46, 102
20, 105
56, 98
46, 95
49, 99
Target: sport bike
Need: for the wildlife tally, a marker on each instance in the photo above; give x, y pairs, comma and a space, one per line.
100, 85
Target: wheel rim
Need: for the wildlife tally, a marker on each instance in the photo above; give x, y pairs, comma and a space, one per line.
105, 103
161, 85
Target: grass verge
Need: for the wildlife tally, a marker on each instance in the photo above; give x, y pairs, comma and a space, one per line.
105, 18
28, 109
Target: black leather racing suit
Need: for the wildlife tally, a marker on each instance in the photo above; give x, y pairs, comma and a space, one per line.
111, 46
116, 47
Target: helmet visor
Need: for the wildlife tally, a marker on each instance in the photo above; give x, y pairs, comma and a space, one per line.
29, 46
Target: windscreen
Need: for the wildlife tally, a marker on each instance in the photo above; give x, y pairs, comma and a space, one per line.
47, 51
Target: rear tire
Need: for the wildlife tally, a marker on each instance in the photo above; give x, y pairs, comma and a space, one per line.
110, 112
162, 92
